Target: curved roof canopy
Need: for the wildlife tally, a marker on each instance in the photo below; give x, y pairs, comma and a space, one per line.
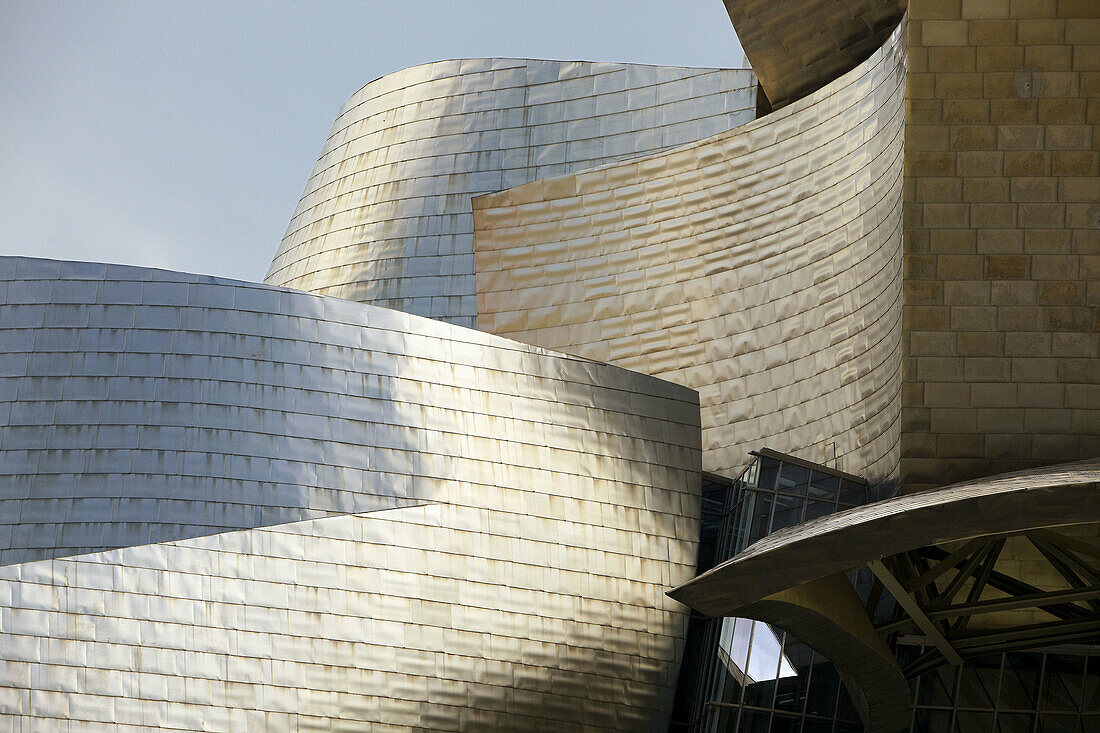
936, 554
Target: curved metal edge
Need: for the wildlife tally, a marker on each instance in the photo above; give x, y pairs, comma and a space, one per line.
826, 615
847, 540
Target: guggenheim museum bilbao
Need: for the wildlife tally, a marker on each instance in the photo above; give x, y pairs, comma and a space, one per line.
599, 397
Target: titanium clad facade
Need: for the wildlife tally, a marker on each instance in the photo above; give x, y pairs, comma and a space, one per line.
251, 444
385, 217
761, 266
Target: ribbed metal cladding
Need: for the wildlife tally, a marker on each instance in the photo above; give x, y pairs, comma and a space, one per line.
761, 266
385, 217
335, 515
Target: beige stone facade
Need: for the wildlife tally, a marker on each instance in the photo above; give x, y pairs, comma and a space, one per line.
1002, 237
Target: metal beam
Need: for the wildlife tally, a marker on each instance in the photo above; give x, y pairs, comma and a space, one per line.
907, 602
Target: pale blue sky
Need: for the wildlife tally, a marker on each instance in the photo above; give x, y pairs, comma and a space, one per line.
180, 134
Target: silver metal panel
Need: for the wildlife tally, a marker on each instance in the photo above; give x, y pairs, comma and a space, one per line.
385, 217
244, 448
761, 266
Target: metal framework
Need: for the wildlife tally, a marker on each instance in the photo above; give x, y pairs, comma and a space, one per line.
939, 593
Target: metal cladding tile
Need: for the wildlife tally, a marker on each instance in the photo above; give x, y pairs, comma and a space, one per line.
561, 492
417, 144
792, 225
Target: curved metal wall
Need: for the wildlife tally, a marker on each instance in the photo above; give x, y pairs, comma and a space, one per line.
556, 500
385, 217
761, 267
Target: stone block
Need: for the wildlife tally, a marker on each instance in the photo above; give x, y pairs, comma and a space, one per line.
1077, 344
1002, 267
1055, 267
1048, 241
993, 216
1042, 394
1020, 137
1075, 163
1028, 344
946, 394
1030, 163
973, 137
1013, 111
1068, 137
923, 292
1064, 111
975, 163
959, 267
940, 369
1040, 31
1049, 58
966, 111
944, 33
1013, 292
973, 318
993, 395
1032, 188
999, 58
1081, 318
987, 369
1021, 318
1000, 241
951, 59
1042, 215
926, 317
1062, 293
931, 343
980, 343
952, 241
956, 292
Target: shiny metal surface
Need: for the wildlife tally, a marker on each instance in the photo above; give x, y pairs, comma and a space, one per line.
335, 515
385, 217
798, 46
761, 266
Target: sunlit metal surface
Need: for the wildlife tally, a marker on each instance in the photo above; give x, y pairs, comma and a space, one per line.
798, 46
761, 266
385, 217
556, 499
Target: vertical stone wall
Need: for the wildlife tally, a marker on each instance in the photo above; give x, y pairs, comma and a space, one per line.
1002, 242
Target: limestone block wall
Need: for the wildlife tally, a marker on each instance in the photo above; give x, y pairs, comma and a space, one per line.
1002, 249
326, 514
385, 217
761, 266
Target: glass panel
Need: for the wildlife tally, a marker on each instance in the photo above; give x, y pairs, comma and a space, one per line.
754, 722
790, 695
971, 722
823, 486
1014, 722
785, 723
824, 684
845, 710
769, 469
1062, 679
852, 492
793, 479
761, 511
1021, 681
1059, 724
1090, 699
816, 725
978, 683
931, 721
766, 664
937, 687
815, 509
788, 511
